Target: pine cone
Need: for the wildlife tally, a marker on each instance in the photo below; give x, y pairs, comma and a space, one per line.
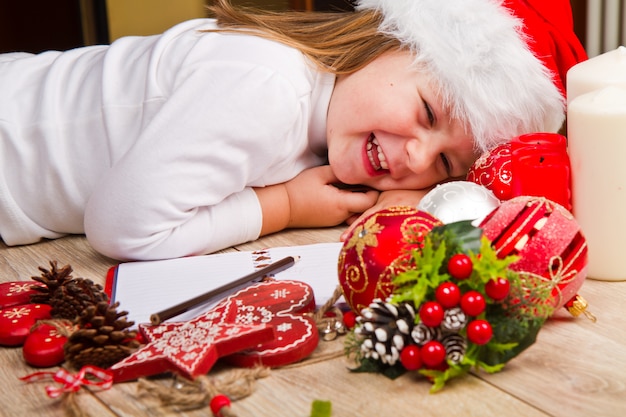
454, 320
103, 337
423, 334
385, 329
455, 346
68, 296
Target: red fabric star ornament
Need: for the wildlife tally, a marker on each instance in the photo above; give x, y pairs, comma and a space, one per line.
190, 348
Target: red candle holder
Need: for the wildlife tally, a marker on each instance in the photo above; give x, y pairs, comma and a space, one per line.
541, 167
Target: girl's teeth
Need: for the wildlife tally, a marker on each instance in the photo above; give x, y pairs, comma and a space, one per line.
383, 161
380, 162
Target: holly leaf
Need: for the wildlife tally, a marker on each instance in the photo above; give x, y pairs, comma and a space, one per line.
459, 236
439, 378
414, 284
321, 408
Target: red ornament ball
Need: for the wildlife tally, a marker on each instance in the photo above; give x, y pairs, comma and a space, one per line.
433, 354
410, 358
479, 332
549, 242
448, 294
493, 171
473, 303
431, 313
460, 266
497, 289
377, 249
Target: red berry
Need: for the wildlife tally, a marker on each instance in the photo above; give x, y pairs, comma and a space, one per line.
433, 353
349, 319
431, 313
217, 403
473, 303
410, 357
448, 294
497, 289
479, 331
460, 266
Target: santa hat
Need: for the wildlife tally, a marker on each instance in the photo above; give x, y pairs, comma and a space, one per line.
489, 59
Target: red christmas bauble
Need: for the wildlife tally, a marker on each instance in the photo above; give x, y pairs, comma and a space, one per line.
43, 346
547, 239
493, 171
377, 249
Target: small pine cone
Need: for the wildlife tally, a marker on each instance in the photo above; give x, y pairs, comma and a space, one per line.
51, 279
68, 296
454, 319
71, 299
385, 329
103, 337
422, 334
455, 346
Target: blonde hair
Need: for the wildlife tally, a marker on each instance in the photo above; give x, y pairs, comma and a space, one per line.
337, 42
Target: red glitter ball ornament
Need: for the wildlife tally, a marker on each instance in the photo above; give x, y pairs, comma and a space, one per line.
547, 239
377, 249
493, 171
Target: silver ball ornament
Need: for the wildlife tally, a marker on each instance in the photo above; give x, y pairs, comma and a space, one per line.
459, 200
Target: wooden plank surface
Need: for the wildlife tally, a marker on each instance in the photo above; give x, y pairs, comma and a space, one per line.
577, 367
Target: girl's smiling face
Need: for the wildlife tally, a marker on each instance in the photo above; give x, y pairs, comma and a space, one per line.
387, 128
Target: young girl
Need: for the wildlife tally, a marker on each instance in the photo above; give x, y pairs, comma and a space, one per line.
217, 132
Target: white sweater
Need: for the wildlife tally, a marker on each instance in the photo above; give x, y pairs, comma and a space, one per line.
150, 145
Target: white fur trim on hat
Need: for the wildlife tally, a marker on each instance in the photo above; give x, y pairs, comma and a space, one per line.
477, 53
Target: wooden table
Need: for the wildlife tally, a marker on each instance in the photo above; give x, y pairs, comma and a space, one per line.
576, 368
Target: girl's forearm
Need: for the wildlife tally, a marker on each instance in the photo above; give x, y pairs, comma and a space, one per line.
274, 201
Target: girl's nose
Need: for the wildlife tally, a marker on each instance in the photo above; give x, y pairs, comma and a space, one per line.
420, 157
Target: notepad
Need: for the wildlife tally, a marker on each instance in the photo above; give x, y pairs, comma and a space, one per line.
143, 288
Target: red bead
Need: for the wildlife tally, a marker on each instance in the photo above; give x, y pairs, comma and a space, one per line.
433, 353
349, 319
431, 313
448, 294
497, 289
411, 358
473, 303
479, 332
218, 402
460, 266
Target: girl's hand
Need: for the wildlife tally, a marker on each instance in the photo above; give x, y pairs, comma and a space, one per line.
315, 202
311, 200
387, 199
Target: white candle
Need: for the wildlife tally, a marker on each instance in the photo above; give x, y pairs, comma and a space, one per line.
596, 126
597, 72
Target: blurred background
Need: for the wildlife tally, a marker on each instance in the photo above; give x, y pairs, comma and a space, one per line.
38, 25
